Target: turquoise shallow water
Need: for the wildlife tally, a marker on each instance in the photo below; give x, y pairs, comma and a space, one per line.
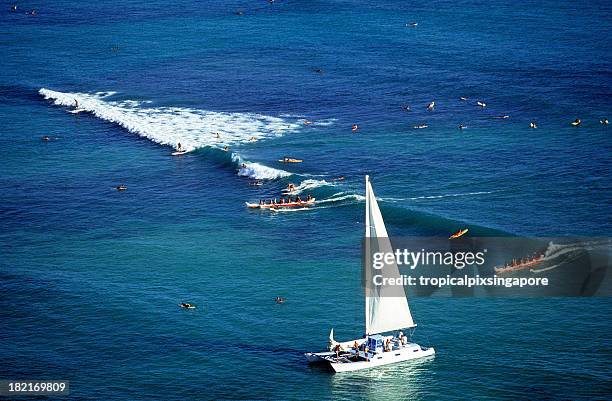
90, 277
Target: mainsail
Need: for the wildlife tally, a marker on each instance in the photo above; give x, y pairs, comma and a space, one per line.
386, 308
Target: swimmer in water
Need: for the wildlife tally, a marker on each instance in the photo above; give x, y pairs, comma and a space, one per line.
533, 125
226, 148
481, 104
406, 107
503, 117
14, 8
461, 126
431, 106
604, 121
463, 99
46, 138
355, 127
121, 187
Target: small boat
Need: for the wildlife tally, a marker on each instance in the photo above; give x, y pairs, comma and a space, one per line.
385, 312
290, 160
458, 233
308, 203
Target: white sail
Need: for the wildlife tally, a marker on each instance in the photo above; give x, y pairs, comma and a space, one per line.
386, 307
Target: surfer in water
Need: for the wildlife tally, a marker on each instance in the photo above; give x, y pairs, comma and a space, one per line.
121, 187
431, 106
226, 148
76, 104
355, 127
179, 147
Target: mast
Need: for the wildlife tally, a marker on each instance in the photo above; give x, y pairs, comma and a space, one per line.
367, 253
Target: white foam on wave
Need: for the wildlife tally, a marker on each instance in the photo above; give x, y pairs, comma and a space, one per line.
310, 184
257, 171
342, 196
193, 128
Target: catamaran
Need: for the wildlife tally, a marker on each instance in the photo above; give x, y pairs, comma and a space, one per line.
386, 311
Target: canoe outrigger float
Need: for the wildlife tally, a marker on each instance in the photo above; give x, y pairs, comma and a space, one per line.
385, 312
308, 203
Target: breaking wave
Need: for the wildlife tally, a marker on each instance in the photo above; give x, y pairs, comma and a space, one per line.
193, 128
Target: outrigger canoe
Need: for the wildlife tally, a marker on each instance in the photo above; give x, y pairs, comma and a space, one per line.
458, 233
280, 205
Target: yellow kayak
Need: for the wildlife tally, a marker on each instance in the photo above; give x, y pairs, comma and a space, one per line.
458, 233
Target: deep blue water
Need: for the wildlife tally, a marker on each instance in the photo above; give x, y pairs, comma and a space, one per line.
90, 277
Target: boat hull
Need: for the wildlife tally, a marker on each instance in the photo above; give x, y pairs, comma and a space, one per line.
406, 353
281, 205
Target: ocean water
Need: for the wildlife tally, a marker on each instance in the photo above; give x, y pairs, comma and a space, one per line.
90, 277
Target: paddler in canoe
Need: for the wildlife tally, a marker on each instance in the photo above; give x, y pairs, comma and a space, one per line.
458, 233
287, 159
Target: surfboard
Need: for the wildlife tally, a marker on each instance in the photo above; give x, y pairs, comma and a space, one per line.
179, 153
75, 111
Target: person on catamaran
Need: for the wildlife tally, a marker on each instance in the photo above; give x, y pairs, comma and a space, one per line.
337, 350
